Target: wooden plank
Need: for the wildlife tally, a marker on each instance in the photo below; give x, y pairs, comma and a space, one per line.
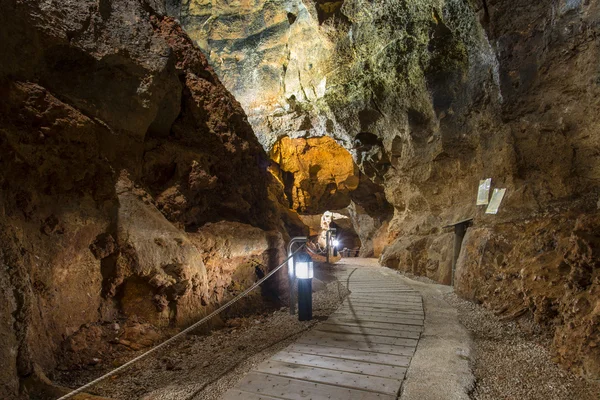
392, 300
365, 346
294, 389
351, 354
399, 314
376, 293
394, 297
362, 314
396, 304
328, 337
373, 324
339, 378
383, 294
384, 283
379, 288
374, 318
340, 364
236, 394
367, 331
399, 307
406, 310
391, 314
389, 298
381, 291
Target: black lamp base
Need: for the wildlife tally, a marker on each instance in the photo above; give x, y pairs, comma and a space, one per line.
304, 299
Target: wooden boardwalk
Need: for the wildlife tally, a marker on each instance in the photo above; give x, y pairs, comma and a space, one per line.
360, 353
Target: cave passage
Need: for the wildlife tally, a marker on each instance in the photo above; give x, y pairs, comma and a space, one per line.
158, 157
319, 175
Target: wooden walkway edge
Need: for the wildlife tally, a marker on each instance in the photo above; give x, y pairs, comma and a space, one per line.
361, 352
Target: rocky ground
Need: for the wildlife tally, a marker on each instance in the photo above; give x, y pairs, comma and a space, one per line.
205, 366
512, 360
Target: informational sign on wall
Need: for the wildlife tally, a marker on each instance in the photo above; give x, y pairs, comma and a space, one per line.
483, 194
495, 202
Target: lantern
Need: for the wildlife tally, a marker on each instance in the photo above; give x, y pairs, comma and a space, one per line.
303, 268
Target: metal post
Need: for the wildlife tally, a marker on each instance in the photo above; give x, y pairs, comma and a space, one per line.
327, 240
304, 299
291, 275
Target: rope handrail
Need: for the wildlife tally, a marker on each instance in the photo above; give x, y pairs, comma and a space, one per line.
178, 335
314, 252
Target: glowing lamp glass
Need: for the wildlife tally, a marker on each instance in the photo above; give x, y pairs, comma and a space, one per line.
304, 267
336, 243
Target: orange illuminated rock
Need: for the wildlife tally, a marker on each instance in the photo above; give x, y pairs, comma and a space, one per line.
318, 174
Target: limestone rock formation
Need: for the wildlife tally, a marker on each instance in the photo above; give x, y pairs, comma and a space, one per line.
117, 144
429, 97
271, 56
234, 255
544, 267
317, 173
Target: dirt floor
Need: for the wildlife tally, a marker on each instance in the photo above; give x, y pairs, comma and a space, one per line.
512, 360
205, 366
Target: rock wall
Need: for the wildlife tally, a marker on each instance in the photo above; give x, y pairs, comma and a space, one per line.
429, 97
538, 257
118, 144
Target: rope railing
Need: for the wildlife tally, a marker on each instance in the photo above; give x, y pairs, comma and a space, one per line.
350, 252
319, 253
180, 334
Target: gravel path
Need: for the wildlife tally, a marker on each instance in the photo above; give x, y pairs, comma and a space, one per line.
512, 364
204, 367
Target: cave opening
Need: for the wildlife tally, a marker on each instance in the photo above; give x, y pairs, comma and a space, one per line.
460, 230
323, 184
348, 241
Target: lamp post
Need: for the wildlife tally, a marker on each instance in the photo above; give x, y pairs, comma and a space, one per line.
328, 238
335, 243
303, 267
291, 274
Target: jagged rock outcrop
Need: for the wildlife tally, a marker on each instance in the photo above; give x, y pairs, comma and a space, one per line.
271, 55
118, 143
430, 97
544, 267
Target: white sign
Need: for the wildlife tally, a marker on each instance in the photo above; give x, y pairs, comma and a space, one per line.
484, 192
494, 205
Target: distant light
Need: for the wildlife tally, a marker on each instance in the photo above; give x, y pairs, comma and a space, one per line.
336, 243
